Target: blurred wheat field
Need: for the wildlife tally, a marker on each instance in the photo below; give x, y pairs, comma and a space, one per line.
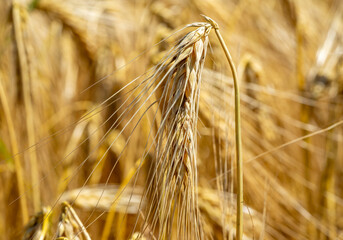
117, 119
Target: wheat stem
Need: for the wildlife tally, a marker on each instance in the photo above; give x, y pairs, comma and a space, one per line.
238, 138
25, 78
110, 217
15, 149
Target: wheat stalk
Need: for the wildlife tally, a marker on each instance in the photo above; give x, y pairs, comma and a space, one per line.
25, 76
238, 134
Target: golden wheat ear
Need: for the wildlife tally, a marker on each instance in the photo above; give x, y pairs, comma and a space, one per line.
174, 184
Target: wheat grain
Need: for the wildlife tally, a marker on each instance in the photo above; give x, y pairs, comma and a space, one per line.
70, 226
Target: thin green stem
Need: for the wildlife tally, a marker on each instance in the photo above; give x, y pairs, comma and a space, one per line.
238, 137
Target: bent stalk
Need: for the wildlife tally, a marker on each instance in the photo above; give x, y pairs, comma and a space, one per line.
238, 138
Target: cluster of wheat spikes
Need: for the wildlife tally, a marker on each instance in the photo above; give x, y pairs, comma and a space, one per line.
172, 192
115, 125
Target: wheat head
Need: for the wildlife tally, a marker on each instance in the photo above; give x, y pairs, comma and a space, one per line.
175, 174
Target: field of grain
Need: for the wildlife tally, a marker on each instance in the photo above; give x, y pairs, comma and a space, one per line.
121, 119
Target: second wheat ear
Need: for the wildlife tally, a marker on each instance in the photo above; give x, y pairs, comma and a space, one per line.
238, 138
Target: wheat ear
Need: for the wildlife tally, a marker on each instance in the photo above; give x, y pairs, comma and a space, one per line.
175, 191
